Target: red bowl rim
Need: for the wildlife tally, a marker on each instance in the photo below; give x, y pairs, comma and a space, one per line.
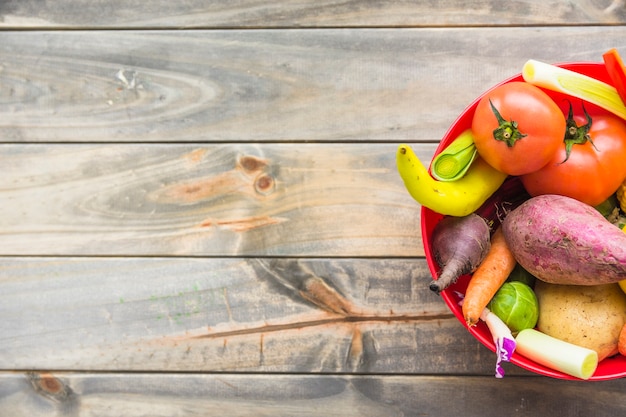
607, 368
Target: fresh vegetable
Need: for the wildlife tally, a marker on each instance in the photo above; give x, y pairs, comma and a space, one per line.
587, 316
516, 305
502, 339
521, 275
561, 240
589, 165
608, 208
622, 283
459, 245
556, 354
454, 161
517, 128
510, 195
621, 195
488, 278
615, 69
457, 198
621, 341
575, 84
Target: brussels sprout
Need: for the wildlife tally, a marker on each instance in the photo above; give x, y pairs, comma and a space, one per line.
516, 305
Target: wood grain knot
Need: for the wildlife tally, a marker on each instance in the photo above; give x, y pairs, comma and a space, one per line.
49, 386
251, 163
264, 184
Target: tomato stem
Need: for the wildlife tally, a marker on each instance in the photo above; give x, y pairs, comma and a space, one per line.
574, 134
507, 131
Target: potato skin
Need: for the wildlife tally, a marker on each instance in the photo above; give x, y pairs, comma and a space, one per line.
564, 241
588, 316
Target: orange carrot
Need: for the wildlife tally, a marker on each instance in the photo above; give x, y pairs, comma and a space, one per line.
621, 342
488, 278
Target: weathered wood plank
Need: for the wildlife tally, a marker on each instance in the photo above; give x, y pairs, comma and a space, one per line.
208, 200
218, 314
138, 395
264, 85
324, 13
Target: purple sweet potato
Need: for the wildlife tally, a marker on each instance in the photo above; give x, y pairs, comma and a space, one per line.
561, 240
459, 245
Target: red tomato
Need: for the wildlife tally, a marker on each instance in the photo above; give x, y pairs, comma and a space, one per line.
517, 128
594, 169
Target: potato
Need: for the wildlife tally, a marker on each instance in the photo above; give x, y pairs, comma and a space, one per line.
588, 316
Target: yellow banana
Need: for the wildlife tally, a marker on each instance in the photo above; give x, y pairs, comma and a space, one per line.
455, 198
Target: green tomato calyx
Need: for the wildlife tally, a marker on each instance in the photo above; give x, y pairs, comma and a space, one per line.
507, 131
574, 134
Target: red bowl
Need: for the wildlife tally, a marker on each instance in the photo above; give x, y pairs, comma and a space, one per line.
610, 368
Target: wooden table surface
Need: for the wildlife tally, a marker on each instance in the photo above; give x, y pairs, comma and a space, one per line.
201, 215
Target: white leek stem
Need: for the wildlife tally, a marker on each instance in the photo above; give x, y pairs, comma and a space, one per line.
502, 338
575, 84
557, 354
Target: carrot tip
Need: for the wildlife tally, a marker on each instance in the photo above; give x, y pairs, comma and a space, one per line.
471, 322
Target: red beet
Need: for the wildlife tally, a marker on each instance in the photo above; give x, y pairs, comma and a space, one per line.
459, 245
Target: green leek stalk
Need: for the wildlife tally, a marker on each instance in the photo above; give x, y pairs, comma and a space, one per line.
574, 84
557, 354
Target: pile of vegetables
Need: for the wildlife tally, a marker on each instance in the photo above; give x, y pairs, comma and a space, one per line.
533, 199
